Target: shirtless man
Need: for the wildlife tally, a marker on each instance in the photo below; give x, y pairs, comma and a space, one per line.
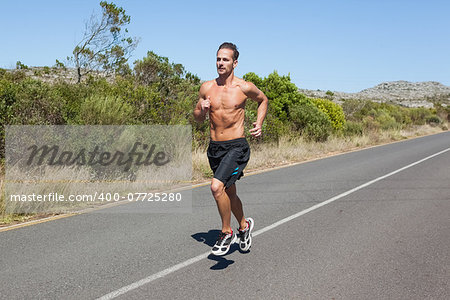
223, 99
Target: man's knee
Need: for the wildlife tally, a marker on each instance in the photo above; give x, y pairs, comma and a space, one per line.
217, 187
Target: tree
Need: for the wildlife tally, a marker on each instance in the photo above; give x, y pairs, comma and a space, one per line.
106, 45
280, 91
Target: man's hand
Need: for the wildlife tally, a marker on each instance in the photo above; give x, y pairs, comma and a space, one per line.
252, 92
256, 130
206, 103
203, 106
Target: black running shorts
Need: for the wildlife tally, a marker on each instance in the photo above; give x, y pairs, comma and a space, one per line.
228, 159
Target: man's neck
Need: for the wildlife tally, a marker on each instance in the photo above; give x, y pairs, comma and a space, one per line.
225, 80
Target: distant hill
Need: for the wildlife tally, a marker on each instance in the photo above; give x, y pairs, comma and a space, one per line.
53, 74
411, 94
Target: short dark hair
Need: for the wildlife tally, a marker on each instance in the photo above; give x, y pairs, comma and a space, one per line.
230, 46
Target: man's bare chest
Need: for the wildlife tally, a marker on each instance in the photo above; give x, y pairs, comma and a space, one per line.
226, 98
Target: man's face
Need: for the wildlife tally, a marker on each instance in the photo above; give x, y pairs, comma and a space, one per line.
224, 62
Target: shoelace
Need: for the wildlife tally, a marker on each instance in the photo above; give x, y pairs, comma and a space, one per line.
242, 232
222, 235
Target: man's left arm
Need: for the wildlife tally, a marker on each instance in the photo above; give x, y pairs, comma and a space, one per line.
255, 94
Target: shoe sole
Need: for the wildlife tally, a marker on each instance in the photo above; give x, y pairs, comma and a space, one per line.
246, 246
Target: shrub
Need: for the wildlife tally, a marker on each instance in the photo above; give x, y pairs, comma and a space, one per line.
36, 103
418, 115
386, 121
37, 73
332, 110
443, 112
273, 128
105, 110
255, 79
352, 109
369, 124
7, 98
385, 116
313, 123
433, 120
280, 91
353, 128
73, 96
166, 93
27, 102
21, 66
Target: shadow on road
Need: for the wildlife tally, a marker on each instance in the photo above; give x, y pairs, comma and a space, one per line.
209, 238
222, 262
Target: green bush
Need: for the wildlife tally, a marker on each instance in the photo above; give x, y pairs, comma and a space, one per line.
369, 124
165, 93
37, 73
36, 103
105, 110
313, 123
385, 116
418, 115
21, 66
433, 120
352, 128
281, 92
332, 110
273, 128
442, 111
73, 96
386, 121
352, 109
27, 102
7, 98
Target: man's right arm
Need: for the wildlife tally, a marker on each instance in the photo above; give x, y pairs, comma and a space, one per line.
203, 104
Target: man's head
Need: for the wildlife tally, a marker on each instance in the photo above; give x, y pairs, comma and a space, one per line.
230, 46
227, 56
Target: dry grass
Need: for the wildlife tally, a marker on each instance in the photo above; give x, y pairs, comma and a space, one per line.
69, 181
297, 150
2, 191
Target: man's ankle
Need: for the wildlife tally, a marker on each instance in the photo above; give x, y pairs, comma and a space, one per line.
227, 231
243, 226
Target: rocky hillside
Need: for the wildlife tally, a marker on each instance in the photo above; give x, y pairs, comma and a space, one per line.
411, 94
53, 74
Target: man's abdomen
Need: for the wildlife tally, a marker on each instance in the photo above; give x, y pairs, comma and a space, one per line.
226, 127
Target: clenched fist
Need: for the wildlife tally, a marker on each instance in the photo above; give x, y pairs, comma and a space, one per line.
206, 103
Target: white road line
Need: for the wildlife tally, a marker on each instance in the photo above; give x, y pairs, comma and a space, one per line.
193, 260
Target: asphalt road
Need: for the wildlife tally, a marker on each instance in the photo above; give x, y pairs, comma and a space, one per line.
388, 237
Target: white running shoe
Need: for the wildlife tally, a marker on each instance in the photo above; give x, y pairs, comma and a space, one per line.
245, 235
223, 243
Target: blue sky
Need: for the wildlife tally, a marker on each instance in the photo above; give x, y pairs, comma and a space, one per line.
328, 45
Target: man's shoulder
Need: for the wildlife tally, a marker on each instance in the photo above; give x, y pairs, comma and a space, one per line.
245, 86
208, 84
